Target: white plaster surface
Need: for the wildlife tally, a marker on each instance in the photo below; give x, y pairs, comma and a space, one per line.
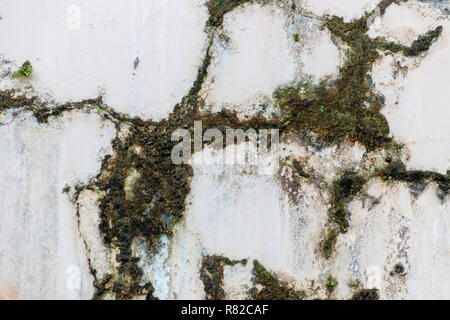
416, 90
80, 49
258, 58
41, 251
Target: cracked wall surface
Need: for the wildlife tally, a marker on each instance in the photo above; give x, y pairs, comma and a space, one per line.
357, 205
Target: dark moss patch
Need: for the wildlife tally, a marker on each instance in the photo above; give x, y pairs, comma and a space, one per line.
327, 245
161, 188
398, 269
398, 172
366, 294
11, 99
345, 188
101, 286
273, 289
218, 8
421, 44
344, 109
347, 108
158, 197
66, 189
211, 274
299, 169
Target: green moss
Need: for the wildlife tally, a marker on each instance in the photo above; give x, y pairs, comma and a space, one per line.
159, 193
331, 284
24, 70
296, 37
342, 110
366, 294
273, 289
347, 108
421, 44
344, 189
211, 274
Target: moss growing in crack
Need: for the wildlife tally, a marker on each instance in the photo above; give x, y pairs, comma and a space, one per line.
346, 108
272, 288
299, 169
344, 189
12, 99
366, 294
211, 274
421, 44
327, 245
158, 197
398, 172
160, 189
331, 284
24, 70
101, 286
218, 8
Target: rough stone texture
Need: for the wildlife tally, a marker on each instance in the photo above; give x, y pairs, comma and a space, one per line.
51, 245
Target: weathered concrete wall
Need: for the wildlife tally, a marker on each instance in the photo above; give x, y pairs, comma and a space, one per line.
145, 57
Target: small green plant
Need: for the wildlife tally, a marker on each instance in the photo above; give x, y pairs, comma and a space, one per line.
296, 37
101, 108
24, 70
331, 284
